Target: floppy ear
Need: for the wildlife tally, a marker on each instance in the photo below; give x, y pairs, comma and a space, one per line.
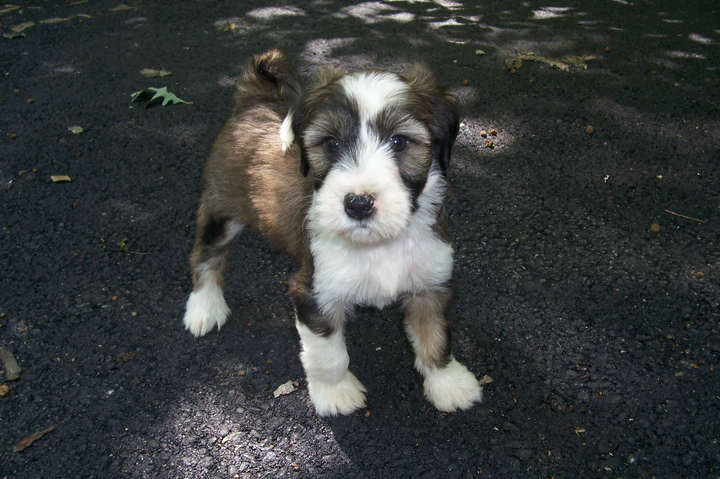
443, 118
305, 110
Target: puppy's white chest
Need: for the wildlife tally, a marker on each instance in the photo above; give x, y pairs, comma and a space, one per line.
376, 275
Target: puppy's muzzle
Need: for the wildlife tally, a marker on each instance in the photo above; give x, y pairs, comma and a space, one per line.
359, 207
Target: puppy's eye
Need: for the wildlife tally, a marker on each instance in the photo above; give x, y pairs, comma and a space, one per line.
398, 143
331, 144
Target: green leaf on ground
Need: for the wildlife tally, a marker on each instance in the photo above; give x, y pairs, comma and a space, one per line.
159, 94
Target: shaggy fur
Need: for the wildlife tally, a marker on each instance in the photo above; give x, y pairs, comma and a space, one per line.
348, 178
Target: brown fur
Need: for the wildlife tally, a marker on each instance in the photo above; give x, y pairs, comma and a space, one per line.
248, 180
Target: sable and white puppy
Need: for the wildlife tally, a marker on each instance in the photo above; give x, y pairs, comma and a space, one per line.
358, 203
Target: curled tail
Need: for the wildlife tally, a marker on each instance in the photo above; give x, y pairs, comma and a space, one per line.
269, 78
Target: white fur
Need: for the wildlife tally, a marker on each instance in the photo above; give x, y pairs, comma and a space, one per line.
372, 171
333, 389
286, 134
375, 274
373, 91
452, 387
206, 308
232, 229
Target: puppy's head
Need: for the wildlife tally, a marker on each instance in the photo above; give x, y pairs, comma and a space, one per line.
376, 145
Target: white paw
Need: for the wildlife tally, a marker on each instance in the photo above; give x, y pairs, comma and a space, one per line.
343, 397
452, 388
205, 309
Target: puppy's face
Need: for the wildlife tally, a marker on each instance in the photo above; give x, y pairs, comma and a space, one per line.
369, 141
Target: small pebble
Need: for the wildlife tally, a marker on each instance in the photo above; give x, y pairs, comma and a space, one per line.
589, 130
655, 228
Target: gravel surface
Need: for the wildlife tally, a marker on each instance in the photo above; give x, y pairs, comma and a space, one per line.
585, 227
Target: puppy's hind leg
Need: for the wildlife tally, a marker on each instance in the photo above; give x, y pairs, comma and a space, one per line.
448, 384
206, 306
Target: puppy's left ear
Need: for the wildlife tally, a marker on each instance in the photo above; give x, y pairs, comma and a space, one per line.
442, 112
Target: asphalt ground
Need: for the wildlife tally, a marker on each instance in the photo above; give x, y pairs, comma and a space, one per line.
586, 245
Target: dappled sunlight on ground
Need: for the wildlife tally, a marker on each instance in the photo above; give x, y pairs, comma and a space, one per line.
583, 209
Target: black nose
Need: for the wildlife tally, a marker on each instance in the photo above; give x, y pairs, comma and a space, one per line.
359, 207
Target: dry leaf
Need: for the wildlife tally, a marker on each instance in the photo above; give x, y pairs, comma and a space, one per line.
54, 20
513, 63
9, 8
76, 129
12, 369
151, 73
60, 178
284, 389
21, 27
122, 7
485, 380
563, 63
25, 443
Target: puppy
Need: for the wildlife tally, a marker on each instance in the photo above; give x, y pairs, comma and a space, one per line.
348, 178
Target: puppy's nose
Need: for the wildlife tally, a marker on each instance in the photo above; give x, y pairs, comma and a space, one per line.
359, 207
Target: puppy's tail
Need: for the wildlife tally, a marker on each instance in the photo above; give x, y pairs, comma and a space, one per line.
270, 78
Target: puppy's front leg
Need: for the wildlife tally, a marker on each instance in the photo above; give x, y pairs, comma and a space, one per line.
333, 389
448, 384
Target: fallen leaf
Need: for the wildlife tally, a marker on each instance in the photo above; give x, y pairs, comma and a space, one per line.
579, 61
12, 369
284, 389
21, 27
50, 21
159, 93
479, 52
9, 8
13, 35
151, 73
122, 7
25, 443
563, 63
485, 380
512, 64
4, 390
76, 129
60, 178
